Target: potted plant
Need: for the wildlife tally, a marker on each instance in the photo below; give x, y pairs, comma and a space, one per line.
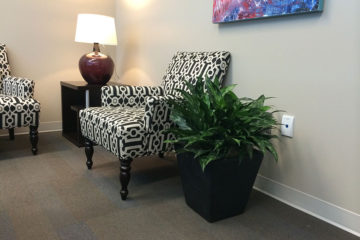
220, 142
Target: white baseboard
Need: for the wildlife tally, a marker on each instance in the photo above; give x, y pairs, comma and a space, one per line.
328, 212
43, 127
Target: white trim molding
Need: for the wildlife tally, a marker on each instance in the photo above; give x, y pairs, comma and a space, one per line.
55, 126
328, 212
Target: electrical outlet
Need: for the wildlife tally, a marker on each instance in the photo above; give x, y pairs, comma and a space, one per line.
287, 127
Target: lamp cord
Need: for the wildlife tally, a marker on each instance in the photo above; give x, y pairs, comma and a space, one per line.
116, 77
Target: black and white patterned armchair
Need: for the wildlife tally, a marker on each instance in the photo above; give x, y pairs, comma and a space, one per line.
131, 121
18, 108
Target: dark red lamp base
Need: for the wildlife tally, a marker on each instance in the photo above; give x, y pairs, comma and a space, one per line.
95, 67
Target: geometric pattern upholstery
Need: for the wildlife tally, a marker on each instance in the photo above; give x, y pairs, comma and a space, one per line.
131, 121
191, 67
157, 119
17, 106
19, 87
18, 112
124, 96
4, 64
108, 126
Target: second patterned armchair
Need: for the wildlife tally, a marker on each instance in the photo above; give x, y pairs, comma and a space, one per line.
132, 120
18, 108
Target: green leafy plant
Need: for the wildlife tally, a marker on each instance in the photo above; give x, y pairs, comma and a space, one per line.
213, 123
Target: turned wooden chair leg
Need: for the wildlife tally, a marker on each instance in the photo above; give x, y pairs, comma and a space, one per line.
11, 134
89, 151
34, 138
125, 167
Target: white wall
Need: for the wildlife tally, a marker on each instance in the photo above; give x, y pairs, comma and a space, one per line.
40, 37
309, 62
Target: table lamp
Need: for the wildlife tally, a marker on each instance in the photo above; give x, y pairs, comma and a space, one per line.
96, 67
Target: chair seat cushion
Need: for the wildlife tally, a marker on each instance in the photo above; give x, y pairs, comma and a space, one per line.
120, 130
18, 112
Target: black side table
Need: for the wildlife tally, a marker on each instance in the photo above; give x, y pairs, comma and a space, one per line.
75, 95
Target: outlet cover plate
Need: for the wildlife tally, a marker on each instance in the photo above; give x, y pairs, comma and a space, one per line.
287, 127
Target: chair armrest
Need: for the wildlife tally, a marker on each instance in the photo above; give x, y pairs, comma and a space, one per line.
157, 113
18, 87
128, 96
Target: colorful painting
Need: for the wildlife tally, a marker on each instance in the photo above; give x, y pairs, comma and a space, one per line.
237, 10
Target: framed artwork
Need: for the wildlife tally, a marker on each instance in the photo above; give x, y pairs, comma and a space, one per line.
238, 10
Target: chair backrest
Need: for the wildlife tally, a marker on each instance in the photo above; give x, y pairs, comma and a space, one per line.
4, 64
190, 66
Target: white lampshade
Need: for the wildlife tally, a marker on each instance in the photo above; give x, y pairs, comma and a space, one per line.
94, 28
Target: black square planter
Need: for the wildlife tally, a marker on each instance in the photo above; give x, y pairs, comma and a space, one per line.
223, 189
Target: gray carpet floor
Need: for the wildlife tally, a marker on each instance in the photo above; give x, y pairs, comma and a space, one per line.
54, 196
